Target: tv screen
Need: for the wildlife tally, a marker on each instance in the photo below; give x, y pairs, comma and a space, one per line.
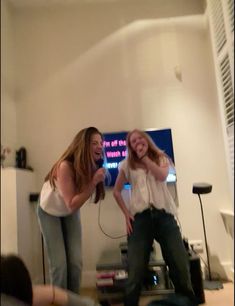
115, 151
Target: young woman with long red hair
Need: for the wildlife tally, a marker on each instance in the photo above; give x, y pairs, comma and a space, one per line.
151, 215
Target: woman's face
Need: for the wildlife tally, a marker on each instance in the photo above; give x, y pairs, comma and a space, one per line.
96, 147
137, 140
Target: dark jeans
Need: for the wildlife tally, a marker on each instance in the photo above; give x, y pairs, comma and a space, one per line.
161, 226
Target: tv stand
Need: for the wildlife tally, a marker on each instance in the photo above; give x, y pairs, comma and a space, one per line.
112, 277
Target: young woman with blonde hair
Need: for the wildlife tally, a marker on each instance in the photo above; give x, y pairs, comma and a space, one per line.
151, 215
73, 179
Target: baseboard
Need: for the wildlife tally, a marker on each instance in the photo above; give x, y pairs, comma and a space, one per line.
229, 270
225, 271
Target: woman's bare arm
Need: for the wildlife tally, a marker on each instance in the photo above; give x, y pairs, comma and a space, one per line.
68, 188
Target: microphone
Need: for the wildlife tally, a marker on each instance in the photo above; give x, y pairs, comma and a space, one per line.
100, 163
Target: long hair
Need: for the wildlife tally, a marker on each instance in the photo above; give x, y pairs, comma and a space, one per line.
79, 155
154, 153
15, 279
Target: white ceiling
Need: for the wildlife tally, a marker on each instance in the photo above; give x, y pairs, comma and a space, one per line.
53, 3
45, 3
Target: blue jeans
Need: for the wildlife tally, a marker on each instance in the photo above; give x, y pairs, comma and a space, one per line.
62, 239
149, 225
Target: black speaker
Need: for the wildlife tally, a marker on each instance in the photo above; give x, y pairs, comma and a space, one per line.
33, 197
21, 157
196, 278
202, 188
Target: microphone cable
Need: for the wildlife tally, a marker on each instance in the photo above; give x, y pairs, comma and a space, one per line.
100, 164
99, 223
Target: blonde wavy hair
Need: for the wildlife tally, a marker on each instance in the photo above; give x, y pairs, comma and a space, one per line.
154, 153
79, 155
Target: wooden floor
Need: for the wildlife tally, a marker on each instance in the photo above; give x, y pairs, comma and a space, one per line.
222, 297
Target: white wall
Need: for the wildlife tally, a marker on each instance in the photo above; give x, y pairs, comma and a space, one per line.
20, 233
9, 238
114, 68
8, 107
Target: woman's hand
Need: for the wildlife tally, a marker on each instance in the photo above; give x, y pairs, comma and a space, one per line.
160, 171
99, 176
141, 150
129, 219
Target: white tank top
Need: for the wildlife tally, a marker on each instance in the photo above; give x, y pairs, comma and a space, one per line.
52, 202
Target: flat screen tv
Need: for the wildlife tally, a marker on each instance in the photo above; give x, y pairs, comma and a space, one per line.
115, 151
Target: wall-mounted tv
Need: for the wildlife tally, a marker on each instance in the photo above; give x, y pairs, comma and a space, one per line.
115, 151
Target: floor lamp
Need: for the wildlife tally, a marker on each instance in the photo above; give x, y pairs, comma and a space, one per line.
203, 188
